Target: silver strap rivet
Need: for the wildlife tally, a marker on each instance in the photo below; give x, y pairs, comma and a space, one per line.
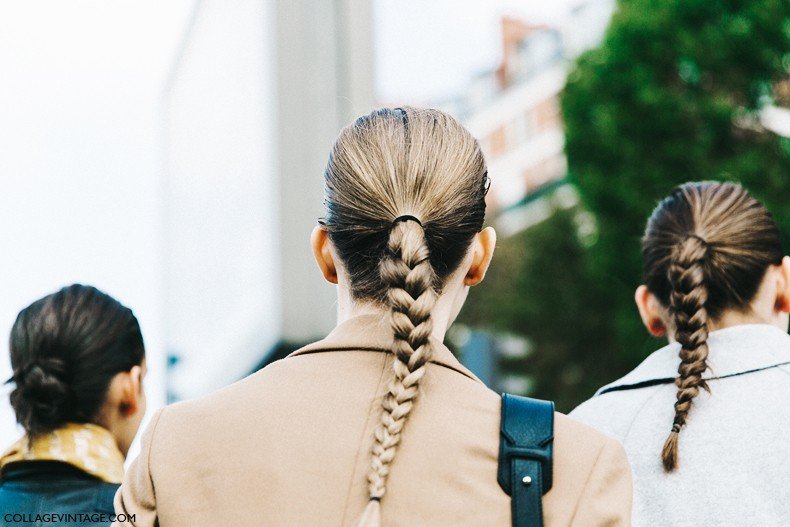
526, 480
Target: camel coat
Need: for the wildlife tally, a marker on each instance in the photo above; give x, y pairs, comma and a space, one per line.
289, 446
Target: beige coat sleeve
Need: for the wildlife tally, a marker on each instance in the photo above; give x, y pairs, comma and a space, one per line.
607, 497
135, 501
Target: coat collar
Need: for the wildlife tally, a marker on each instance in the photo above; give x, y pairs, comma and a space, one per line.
373, 333
732, 351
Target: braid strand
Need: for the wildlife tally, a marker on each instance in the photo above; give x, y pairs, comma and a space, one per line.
411, 294
688, 300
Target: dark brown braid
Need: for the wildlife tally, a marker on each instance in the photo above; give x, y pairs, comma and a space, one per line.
687, 306
706, 249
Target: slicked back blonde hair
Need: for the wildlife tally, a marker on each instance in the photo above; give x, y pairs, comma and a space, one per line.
405, 195
706, 249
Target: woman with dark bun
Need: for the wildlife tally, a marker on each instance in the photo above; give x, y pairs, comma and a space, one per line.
705, 419
78, 364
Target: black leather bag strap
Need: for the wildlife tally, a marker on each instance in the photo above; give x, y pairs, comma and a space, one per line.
525, 456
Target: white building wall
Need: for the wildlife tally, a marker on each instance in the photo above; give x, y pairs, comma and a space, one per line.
256, 98
509, 184
222, 273
324, 81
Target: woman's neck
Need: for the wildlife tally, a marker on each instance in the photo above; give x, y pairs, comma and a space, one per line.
732, 318
736, 318
346, 310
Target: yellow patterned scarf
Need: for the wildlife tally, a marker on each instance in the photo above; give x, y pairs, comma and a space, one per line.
88, 447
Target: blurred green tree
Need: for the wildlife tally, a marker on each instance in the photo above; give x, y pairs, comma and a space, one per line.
673, 94
536, 288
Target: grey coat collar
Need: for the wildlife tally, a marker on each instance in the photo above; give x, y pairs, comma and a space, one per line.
732, 351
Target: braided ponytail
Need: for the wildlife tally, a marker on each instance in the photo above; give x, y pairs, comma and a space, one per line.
408, 273
687, 307
706, 249
383, 168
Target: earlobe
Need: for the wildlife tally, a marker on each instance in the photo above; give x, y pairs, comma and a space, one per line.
783, 287
483, 246
127, 409
319, 241
657, 329
646, 303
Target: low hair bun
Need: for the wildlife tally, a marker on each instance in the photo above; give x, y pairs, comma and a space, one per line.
42, 396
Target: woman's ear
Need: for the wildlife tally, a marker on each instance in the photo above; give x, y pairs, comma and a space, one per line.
319, 241
483, 246
126, 390
650, 310
783, 286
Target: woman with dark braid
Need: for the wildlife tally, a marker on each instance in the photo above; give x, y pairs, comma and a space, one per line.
704, 420
378, 424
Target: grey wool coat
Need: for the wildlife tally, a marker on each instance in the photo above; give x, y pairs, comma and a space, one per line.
734, 462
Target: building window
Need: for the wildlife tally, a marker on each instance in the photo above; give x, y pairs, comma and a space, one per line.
498, 142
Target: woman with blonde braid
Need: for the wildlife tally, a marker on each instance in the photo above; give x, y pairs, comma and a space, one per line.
704, 420
377, 424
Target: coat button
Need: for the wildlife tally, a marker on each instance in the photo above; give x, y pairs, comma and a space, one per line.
526, 480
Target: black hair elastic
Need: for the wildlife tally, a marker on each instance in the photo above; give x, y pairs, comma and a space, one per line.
404, 117
406, 217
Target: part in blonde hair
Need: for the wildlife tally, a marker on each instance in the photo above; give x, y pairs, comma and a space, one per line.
405, 195
706, 249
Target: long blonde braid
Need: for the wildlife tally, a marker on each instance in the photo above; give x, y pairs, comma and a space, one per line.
408, 273
405, 195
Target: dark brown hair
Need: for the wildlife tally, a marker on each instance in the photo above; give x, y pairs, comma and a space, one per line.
65, 350
706, 249
405, 195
